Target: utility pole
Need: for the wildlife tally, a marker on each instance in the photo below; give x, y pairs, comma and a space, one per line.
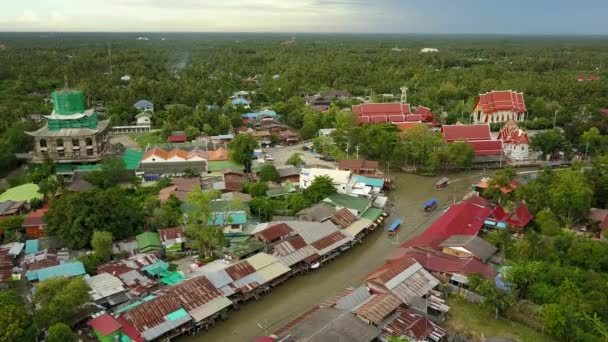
357, 148
347, 148
555, 118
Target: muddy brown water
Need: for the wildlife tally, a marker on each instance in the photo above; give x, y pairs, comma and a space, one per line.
301, 293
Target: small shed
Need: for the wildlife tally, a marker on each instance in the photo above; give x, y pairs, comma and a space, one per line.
149, 242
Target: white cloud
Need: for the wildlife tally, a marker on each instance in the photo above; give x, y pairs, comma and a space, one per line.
28, 17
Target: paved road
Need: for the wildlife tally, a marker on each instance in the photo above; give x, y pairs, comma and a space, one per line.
281, 154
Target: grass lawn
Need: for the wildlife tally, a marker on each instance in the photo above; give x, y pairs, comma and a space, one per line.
215, 166
143, 139
477, 323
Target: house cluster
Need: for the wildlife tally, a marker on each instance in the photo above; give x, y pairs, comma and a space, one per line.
403, 297
321, 101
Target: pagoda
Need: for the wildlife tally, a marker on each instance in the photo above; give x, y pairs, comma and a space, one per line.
71, 134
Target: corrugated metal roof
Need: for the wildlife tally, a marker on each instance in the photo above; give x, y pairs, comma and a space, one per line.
261, 260
104, 285
417, 285
353, 299
331, 242
377, 308
273, 271
343, 218
210, 308
219, 278
273, 232
297, 256
253, 278
357, 227
313, 231
372, 214
64, 270
239, 270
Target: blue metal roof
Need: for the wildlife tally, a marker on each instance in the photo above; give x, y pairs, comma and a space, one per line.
221, 219
394, 225
239, 100
69, 269
256, 115
31, 246
374, 182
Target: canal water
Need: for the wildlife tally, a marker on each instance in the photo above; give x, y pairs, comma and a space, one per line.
301, 293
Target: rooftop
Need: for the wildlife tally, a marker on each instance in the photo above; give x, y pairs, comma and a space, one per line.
25, 192
346, 201
465, 132
496, 101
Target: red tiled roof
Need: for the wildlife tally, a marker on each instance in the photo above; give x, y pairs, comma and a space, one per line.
105, 324
328, 240
460, 219
343, 218
588, 78
519, 218
312, 258
426, 113
177, 139
413, 118
478, 200
156, 151
486, 147
512, 134
445, 263
357, 164
495, 101
465, 132
240, 270
274, 232
404, 126
383, 109
35, 218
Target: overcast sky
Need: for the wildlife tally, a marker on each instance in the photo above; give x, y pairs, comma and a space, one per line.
393, 16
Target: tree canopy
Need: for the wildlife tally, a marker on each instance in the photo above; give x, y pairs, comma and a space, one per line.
242, 147
320, 188
59, 299
269, 173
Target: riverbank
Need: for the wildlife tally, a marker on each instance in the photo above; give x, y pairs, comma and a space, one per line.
299, 294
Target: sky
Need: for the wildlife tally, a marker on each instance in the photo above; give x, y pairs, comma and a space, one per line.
580, 17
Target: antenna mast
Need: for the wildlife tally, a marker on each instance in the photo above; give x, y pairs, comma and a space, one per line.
404, 94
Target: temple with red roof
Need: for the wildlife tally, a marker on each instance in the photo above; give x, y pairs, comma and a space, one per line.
478, 136
371, 113
515, 141
499, 106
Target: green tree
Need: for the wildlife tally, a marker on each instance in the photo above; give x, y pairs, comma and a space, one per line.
168, 214
555, 319
269, 173
570, 196
75, 216
257, 189
203, 234
295, 160
60, 332
548, 223
320, 188
263, 208
461, 154
102, 244
592, 141
310, 125
58, 299
547, 142
495, 299
112, 173
14, 319
296, 202
275, 139
192, 132
242, 147
11, 228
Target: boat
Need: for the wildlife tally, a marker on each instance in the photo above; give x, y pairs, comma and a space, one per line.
431, 204
394, 227
442, 183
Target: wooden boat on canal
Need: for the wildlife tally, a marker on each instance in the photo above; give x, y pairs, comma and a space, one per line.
394, 227
442, 183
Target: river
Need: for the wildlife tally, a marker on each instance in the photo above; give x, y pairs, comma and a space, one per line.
301, 293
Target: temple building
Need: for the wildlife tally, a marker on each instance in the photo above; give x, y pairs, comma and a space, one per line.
515, 141
72, 134
499, 106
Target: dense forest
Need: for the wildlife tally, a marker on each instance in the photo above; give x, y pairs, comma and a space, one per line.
194, 70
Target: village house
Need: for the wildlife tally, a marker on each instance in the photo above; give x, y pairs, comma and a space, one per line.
173, 162
129, 272
515, 141
584, 78
144, 119
107, 290
356, 205
173, 239
335, 94
13, 208
72, 134
317, 103
144, 106
316, 213
360, 167
240, 101
233, 175
34, 224
289, 173
499, 106
466, 246
149, 242
339, 178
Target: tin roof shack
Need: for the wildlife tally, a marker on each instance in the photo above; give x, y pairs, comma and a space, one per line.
149, 242
161, 317
317, 213
271, 234
327, 324
244, 249
109, 329
34, 223
107, 290
232, 222
414, 326
289, 173
67, 270
405, 279
173, 239
12, 208
466, 246
128, 270
7, 262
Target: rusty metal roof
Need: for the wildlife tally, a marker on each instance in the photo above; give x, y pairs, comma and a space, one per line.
416, 326
239, 270
274, 232
377, 308
331, 242
343, 218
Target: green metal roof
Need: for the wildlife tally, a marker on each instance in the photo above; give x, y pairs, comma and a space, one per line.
92, 167
246, 247
21, 193
221, 219
132, 158
214, 166
31, 246
173, 278
156, 268
347, 201
148, 241
175, 315
372, 214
